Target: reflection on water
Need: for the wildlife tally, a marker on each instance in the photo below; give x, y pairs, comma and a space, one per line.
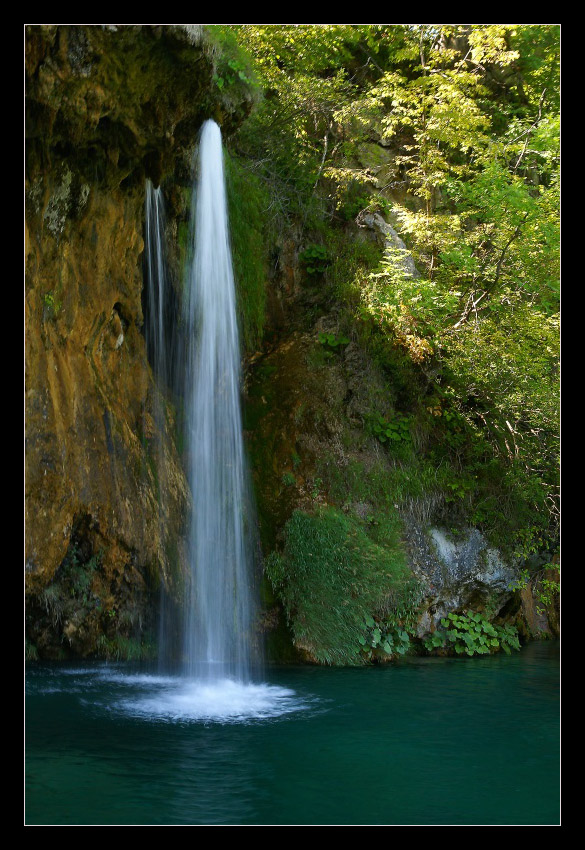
429, 741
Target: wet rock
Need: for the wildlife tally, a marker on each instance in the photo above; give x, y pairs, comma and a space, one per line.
461, 572
394, 245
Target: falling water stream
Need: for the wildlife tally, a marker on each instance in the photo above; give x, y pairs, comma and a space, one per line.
219, 651
219, 613
161, 343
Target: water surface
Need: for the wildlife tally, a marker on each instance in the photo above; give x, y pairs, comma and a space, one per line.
423, 742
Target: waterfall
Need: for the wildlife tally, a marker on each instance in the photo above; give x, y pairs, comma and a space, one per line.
160, 309
155, 279
195, 355
160, 297
194, 352
219, 610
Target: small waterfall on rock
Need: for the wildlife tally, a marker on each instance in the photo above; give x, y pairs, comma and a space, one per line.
217, 628
156, 280
159, 335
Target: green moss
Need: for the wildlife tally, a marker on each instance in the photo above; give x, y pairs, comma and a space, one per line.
385, 487
330, 577
121, 648
351, 260
317, 356
247, 200
30, 651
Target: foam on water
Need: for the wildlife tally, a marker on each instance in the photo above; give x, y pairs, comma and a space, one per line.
221, 701
170, 698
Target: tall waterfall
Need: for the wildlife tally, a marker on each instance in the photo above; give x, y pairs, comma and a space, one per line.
219, 612
195, 356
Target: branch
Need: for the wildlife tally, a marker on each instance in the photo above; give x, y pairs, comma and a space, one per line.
504, 250
325, 146
473, 303
527, 132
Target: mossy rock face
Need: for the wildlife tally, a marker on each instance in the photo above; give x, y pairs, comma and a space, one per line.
123, 100
99, 602
290, 415
329, 491
319, 474
106, 107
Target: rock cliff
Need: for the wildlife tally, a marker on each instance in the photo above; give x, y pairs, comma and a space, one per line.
106, 108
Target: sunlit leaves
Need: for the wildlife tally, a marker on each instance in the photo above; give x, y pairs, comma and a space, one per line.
465, 119
490, 43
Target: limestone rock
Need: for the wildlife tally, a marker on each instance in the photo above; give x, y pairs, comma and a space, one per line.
106, 107
461, 572
394, 245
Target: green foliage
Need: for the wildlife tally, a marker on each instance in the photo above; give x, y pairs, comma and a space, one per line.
381, 639
76, 576
232, 71
121, 648
472, 634
330, 577
484, 315
247, 204
547, 589
443, 118
406, 311
395, 430
308, 73
315, 259
331, 341
232, 64
390, 641
351, 262
546, 584
470, 115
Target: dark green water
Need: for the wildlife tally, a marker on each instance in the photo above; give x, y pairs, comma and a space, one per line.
427, 741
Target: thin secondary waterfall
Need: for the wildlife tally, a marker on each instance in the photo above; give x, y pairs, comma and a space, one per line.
219, 612
156, 294
155, 278
160, 297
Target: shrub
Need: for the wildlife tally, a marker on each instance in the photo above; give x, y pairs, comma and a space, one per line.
473, 635
333, 579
